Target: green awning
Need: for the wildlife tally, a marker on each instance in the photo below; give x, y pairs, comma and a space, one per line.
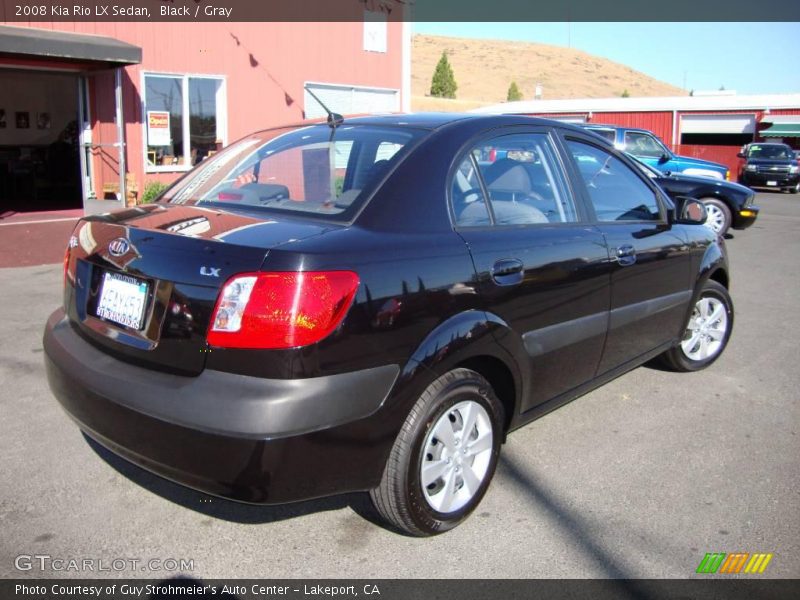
781, 130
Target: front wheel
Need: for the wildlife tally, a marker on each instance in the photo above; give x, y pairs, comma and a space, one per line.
707, 332
719, 215
444, 457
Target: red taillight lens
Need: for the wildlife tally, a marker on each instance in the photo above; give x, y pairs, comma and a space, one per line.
66, 266
280, 310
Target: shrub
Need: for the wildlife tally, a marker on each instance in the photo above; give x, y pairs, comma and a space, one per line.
513, 92
152, 190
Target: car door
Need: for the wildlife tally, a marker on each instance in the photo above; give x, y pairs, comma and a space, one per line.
651, 283
541, 267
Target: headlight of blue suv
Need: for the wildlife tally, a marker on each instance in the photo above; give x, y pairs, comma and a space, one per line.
750, 168
794, 169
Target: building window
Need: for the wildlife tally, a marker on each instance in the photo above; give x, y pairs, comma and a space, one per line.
185, 120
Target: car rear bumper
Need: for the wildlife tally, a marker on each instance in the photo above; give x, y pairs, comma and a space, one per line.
744, 217
245, 438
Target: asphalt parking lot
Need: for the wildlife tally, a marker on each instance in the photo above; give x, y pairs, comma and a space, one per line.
638, 479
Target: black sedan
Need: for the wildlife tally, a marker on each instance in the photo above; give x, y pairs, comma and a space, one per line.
728, 204
364, 306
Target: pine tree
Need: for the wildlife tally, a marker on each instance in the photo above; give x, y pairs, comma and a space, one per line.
625, 94
513, 92
443, 83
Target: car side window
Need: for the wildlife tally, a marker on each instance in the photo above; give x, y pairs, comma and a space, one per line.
608, 134
469, 203
643, 144
523, 179
617, 193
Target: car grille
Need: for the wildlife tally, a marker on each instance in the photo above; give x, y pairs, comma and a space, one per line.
772, 169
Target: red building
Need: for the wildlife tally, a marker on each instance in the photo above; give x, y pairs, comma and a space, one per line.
711, 127
82, 104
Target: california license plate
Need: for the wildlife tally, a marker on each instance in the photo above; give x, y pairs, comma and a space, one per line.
122, 300
772, 183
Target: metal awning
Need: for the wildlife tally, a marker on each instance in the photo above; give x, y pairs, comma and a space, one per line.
781, 130
33, 43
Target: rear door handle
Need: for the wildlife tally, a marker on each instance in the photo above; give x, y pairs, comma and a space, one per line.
626, 255
508, 271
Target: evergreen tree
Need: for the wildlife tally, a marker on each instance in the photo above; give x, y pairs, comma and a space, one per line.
443, 83
625, 93
513, 92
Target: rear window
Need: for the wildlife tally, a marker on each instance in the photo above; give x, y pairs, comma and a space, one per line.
312, 171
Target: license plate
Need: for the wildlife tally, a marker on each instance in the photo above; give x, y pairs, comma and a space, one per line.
772, 183
122, 300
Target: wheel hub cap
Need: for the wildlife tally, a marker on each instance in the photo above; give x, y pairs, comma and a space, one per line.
456, 456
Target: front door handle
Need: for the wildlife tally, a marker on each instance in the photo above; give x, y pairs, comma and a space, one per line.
626, 255
508, 271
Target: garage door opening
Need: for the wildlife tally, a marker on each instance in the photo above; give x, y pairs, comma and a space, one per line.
40, 165
349, 100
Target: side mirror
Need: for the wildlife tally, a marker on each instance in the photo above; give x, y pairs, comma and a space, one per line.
689, 211
741, 155
663, 158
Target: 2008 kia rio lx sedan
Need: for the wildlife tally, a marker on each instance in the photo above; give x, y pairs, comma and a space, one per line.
373, 305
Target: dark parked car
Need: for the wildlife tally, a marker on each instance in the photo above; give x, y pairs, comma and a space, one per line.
728, 204
770, 165
366, 307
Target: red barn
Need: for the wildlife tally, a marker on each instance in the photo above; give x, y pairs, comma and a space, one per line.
712, 127
82, 104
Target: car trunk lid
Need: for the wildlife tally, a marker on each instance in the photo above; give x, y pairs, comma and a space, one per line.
142, 283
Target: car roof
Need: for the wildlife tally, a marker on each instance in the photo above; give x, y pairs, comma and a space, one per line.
615, 127
437, 120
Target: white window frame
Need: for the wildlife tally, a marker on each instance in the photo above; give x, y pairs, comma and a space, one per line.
222, 116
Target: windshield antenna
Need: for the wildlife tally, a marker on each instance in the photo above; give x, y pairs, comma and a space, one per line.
334, 119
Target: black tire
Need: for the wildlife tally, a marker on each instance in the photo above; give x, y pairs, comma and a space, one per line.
794, 189
677, 357
400, 498
723, 208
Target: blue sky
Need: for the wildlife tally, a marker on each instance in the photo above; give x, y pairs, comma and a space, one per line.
751, 58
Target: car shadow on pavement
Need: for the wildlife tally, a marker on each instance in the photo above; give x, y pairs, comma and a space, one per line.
228, 510
575, 527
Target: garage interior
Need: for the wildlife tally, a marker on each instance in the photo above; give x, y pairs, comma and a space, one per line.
39, 153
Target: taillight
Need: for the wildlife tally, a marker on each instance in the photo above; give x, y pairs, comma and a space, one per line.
281, 310
66, 266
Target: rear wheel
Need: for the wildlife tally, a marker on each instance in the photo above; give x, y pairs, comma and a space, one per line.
444, 457
719, 215
707, 332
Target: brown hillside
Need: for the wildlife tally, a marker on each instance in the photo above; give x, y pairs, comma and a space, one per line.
485, 68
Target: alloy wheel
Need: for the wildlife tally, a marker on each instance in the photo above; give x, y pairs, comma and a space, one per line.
715, 219
705, 334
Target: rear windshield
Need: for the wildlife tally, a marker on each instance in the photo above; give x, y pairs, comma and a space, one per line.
770, 151
311, 171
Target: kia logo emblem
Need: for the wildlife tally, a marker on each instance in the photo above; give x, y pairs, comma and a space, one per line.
118, 247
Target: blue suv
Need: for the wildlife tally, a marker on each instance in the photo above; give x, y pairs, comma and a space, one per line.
645, 146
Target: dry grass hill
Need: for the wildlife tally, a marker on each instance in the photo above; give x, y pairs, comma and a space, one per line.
485, 68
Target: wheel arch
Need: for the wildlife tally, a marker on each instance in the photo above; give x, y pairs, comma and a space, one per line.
717, 195
471, 340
